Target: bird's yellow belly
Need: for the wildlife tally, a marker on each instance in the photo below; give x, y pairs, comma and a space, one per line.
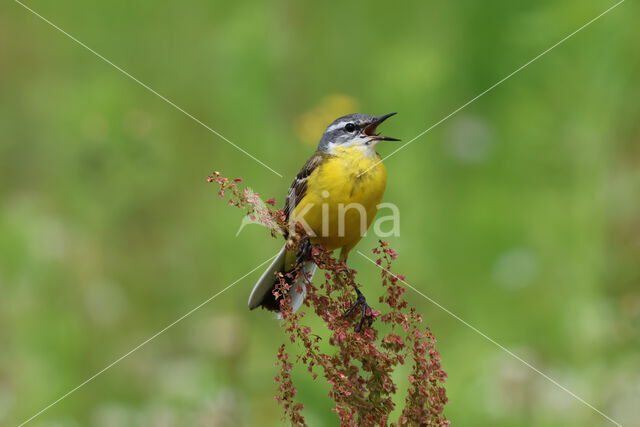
339, 204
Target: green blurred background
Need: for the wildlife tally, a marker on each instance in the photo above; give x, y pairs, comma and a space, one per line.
520, 214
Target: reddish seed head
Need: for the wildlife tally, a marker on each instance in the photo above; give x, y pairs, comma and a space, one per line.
359, 400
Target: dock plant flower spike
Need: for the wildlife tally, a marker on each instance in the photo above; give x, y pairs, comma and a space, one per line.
358, 366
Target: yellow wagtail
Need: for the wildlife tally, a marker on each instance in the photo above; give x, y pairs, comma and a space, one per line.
334, 197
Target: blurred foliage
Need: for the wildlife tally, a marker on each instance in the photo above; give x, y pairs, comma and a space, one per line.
520, 213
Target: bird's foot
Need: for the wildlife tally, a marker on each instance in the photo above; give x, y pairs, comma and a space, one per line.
304, 250
366, 312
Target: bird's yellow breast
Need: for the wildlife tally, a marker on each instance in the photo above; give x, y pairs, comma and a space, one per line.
342, 197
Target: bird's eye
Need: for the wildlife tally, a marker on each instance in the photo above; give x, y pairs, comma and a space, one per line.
350, 127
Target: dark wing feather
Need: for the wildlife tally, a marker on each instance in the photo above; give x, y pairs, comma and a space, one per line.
298, 187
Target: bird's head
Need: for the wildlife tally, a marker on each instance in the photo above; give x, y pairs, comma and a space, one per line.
354, 130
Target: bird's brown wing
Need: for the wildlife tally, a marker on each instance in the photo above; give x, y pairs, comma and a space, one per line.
298, 187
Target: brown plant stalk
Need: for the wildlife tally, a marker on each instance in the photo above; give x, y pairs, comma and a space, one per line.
360, 365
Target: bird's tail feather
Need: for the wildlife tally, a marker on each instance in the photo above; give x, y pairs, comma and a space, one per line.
261, 294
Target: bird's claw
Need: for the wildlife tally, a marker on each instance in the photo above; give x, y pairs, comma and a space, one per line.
304, 250
366, 316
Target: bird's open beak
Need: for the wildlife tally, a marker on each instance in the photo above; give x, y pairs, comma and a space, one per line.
370, 129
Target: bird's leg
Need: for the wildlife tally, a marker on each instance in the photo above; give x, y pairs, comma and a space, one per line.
365, 310
304, 250
303, 254
366, 315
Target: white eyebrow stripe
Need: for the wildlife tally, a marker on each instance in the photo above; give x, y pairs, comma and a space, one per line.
335, 126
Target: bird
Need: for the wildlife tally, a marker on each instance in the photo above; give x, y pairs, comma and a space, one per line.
334, 197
